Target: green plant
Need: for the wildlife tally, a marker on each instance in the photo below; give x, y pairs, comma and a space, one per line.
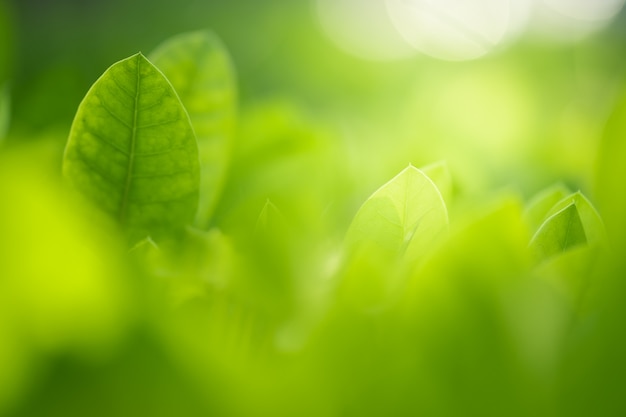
210, 276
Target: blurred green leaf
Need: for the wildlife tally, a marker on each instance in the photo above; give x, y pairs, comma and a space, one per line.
538, 207
268, 218
284, 154
439, 173
64, 288
132, 150
610, 173
593, 225
5, 111
392, 231
569, 273
561, 231
403, 217
472, 325
199, 68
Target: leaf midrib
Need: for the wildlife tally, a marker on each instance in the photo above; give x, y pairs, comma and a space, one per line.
131, 152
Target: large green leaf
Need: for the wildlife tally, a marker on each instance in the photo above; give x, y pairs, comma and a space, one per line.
132, 150
561, 231
199, 68
406, 215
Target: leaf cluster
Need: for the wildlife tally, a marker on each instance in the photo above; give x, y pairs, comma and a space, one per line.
187, 273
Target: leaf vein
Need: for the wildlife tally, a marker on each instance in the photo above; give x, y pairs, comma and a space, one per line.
101, 139
167, 122
113, 114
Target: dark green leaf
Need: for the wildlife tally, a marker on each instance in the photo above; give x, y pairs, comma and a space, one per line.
132, 150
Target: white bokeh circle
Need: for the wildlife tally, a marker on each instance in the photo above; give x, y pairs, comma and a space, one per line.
362, 28
453, 29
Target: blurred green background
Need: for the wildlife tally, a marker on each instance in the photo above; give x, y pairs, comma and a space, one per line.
529, 113
83, 329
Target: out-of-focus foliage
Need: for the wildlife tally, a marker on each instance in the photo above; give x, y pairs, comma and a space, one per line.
5, 111
451, 291
200, 70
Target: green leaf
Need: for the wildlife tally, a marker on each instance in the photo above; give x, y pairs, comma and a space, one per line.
269, 218
539, 206
133, 152
561, 231
610, 173
5, 111
404, 216
439, 173
593, 225
199, 68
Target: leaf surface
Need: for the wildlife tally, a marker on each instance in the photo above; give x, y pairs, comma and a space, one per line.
199, 68
439, 173
404, 216
561, 231
591, 221
132, 150
539, 206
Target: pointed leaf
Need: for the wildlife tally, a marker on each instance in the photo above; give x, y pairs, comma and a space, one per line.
133, 152
199, 68
404, 216
439, 173
539, 206
591, 220
560, 232
269, 218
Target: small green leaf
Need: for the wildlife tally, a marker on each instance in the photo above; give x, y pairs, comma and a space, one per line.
404, 216
591, 220
5, 111
133, 152
561, 231
199, 68
539, 206
268, 218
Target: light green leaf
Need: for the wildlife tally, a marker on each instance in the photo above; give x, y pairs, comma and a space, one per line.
439, 173
133, 152
5, 111
610, 173
404, 216
561, 231
199, 68
589, 217
539, 206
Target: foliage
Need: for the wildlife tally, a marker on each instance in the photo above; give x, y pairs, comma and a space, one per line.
183, 266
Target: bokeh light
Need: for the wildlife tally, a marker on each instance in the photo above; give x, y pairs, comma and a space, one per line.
362, 28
